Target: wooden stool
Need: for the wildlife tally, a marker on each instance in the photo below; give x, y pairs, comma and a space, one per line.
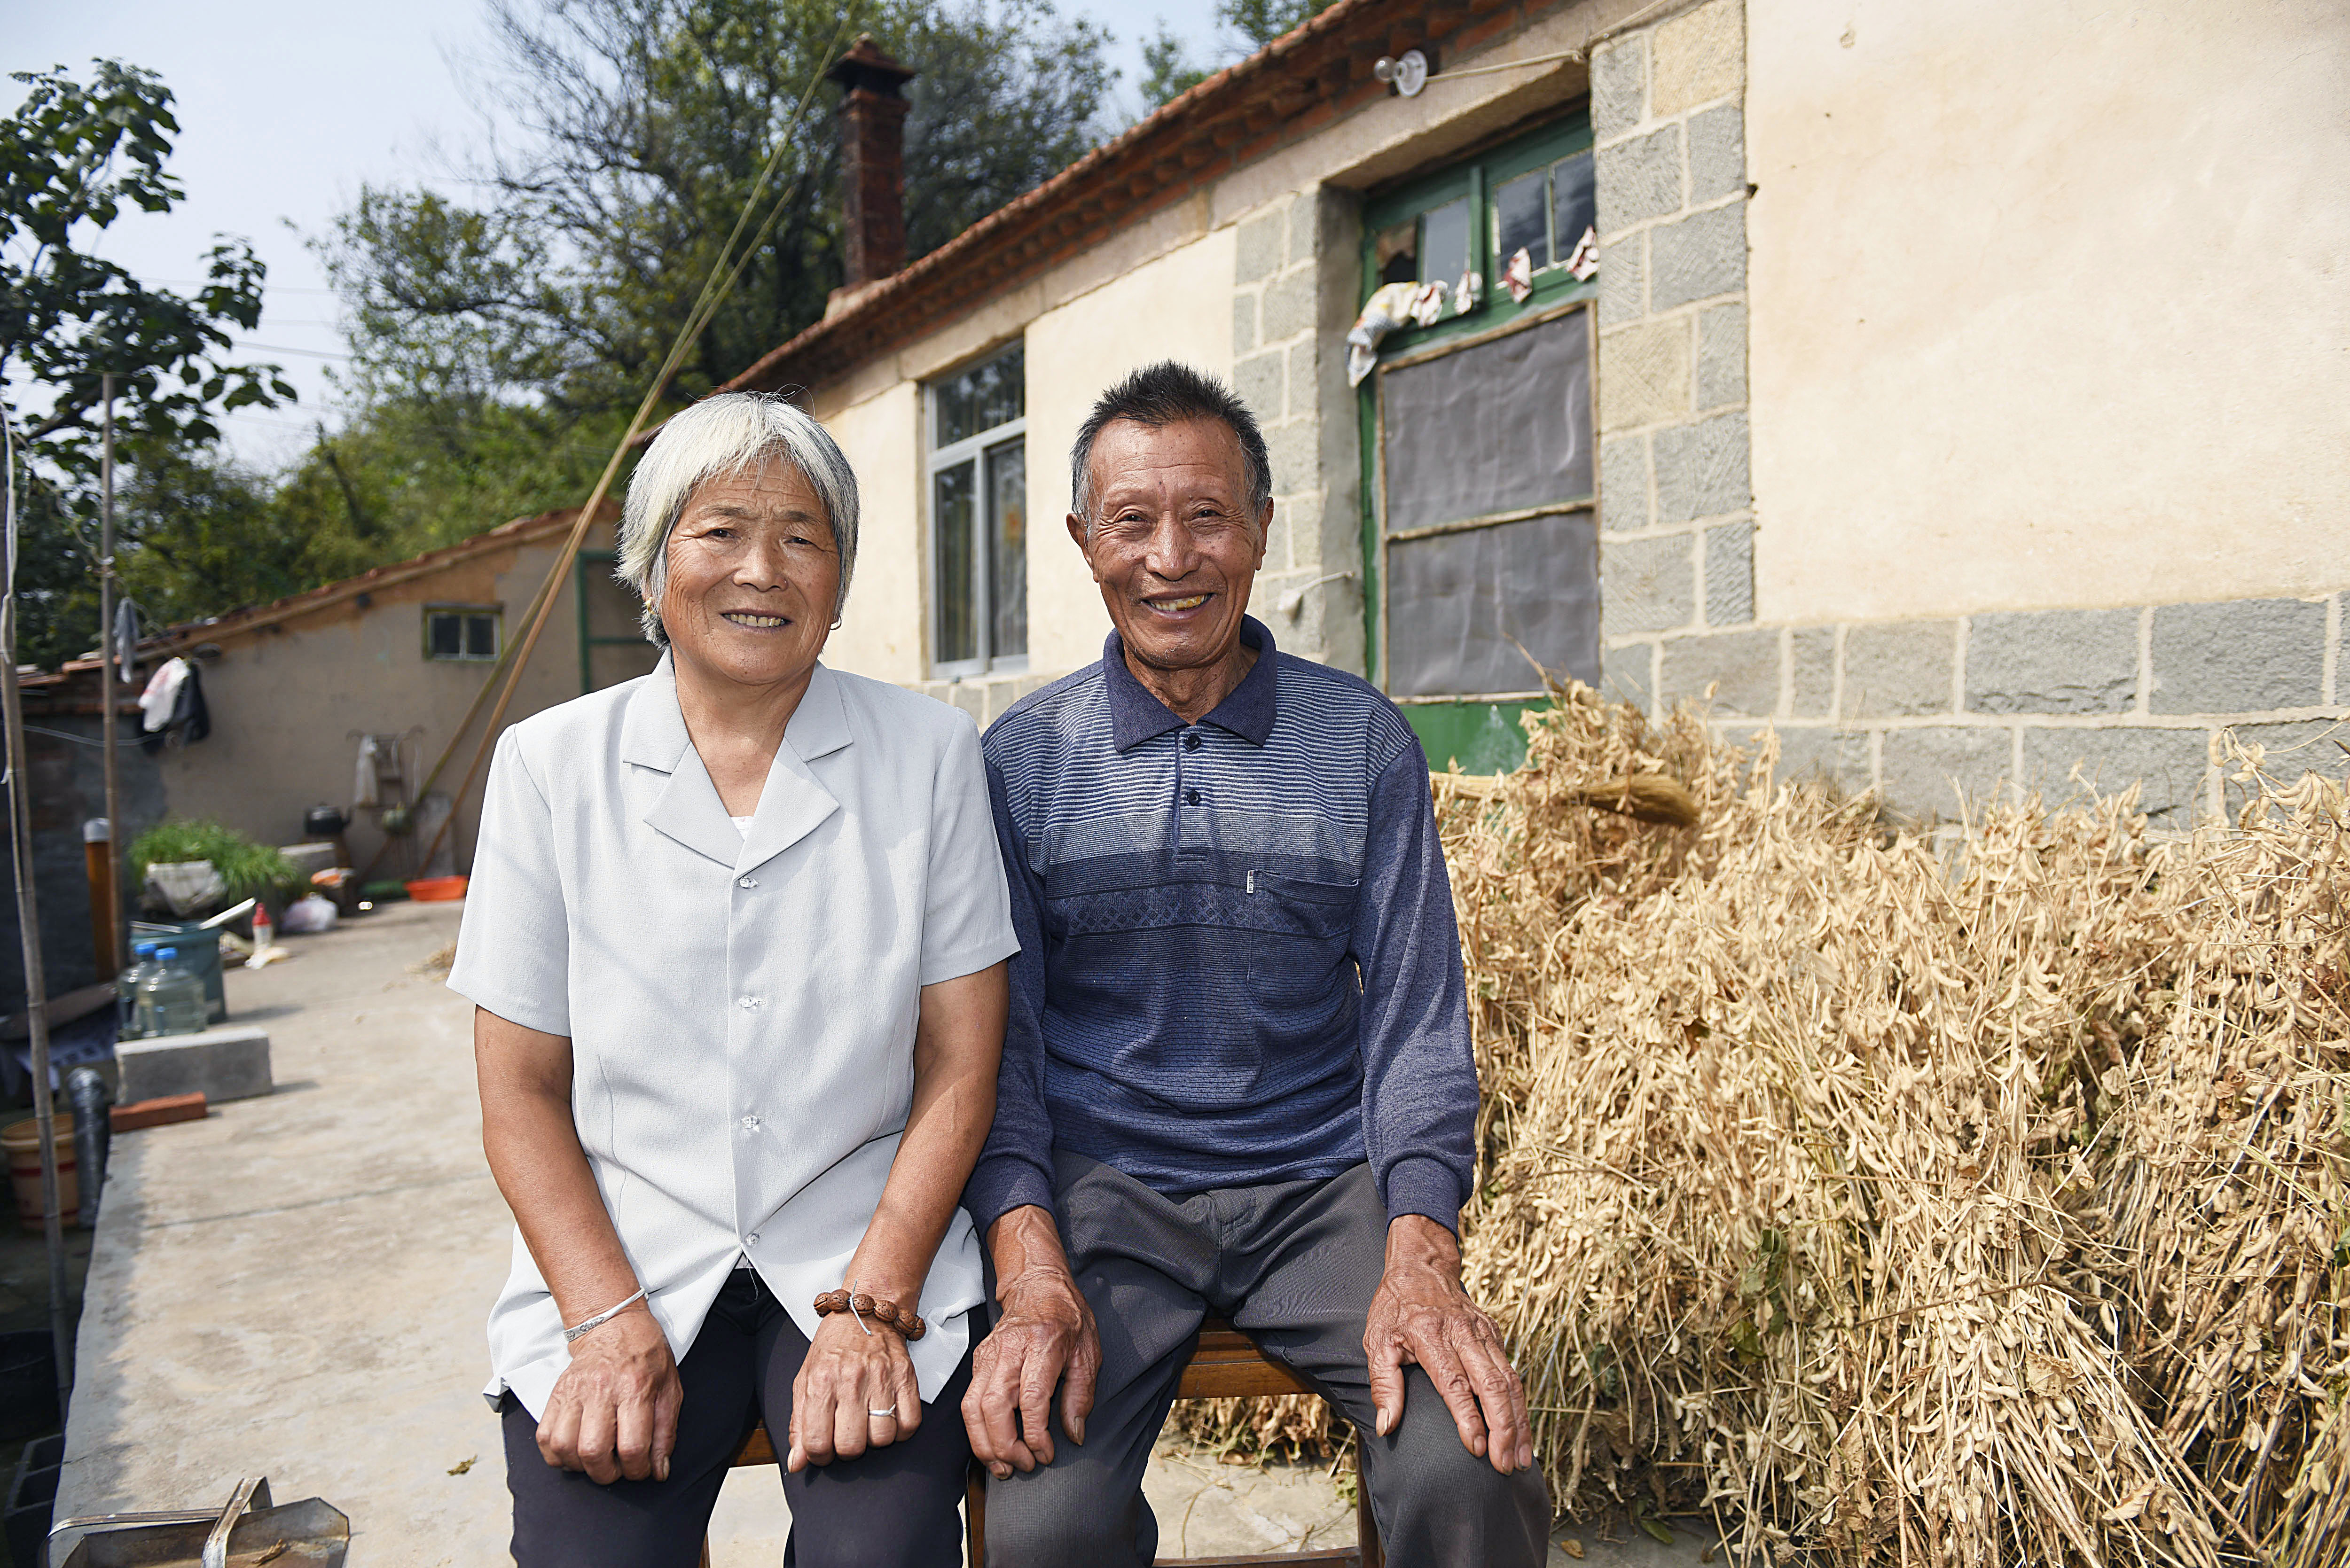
1225, 1365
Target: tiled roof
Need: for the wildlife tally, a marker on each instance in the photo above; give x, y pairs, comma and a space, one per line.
1301, 82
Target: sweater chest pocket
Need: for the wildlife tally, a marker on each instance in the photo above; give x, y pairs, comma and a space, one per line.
1297, 906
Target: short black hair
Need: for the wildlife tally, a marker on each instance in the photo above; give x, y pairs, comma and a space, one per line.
1169, 393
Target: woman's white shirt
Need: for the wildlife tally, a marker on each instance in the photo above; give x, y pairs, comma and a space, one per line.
741, 1003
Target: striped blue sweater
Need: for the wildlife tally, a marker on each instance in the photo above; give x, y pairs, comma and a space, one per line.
1238, 957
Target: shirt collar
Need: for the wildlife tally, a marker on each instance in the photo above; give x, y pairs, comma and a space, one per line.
1247, 710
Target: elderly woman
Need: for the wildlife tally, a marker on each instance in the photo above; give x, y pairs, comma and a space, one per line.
736, 941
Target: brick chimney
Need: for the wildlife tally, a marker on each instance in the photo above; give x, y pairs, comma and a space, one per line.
872, 161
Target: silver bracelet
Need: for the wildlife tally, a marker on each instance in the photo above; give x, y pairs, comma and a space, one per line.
601, 1318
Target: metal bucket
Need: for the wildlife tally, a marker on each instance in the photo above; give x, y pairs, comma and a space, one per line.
247, 1533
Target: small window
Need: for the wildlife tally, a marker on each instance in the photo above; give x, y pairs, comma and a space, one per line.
979, 518
465, 633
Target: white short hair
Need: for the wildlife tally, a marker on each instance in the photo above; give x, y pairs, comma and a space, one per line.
724, 433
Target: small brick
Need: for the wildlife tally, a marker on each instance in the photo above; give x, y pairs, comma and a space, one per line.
2243, 657
1646, 585
1700, 55
1730, 574
1291, 448
1639, 179
1624, 484
1623, 285
1644, 373
1704, 470
1701, 256
1740, 667
1932, 771
1258, 248
971, 697
1619, 85
230, 1062
1289, 306
1244, 323
1824, 754
1717, 153
1721, 355
1810, 668
2167, 765
1303, 228
2053, 661
1630, 675
156, 1113
1898, 667
1302, 364
1259, 383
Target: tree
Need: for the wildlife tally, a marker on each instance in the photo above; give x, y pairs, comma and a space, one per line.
73, 157
1167, 67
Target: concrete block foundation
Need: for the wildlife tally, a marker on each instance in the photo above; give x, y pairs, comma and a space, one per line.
227, 1063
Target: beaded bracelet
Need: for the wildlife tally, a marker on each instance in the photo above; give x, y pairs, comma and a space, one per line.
889, 1315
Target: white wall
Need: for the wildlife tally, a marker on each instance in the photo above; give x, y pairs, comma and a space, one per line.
2049, 302
881, 632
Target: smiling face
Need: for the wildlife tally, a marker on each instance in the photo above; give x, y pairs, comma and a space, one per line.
752, 577
1172, 541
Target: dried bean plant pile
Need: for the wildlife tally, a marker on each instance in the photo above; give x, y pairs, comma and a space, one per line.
1966, 1198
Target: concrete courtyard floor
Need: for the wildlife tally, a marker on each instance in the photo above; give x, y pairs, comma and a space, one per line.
295, 1286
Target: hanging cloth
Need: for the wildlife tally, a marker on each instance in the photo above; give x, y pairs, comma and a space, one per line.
162, 694
189, 721
126, 639
366, 788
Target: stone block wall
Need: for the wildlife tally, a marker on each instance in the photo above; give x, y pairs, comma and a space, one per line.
1934, 713
1676, 508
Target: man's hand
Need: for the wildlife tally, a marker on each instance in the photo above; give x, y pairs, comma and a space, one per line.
1047, 1337
614, 1410
1421, 1315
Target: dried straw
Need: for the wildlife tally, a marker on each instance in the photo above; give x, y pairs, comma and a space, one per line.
1902, 1205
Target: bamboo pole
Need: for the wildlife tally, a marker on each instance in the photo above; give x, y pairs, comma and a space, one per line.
109, 958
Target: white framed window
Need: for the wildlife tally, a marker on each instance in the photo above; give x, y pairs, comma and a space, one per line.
978, 470
467, 634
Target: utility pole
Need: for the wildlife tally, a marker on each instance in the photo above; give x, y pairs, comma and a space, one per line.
112, 960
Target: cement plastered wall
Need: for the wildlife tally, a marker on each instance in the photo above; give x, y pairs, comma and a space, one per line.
2049, 303
285, 701
1766, 551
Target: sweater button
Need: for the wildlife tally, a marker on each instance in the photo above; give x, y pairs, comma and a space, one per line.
1191, 797
1192, 742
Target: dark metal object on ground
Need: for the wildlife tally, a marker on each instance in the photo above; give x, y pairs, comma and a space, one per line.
33, 1490
87, 1091
246, 1533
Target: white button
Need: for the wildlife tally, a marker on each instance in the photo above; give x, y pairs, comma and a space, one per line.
753, 1238
749, 1003
750, 1124
748, 882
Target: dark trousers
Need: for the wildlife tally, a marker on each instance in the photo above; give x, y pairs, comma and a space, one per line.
1293, 1265
898, 1505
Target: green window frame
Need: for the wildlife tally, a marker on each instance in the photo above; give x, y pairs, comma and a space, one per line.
1481, 734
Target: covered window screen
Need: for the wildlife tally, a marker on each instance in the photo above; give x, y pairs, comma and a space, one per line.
979, 510
1492, 552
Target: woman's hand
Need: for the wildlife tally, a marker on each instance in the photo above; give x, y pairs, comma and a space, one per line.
848, 1376
614, 1410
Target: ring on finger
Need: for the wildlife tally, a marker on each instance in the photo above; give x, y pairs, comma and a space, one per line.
888, 1415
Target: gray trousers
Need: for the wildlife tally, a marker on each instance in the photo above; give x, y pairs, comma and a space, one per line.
1293, 1265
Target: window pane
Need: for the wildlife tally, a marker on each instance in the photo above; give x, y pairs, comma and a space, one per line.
1461, 606
1499, 427
1522, 220
1395, 254
1573, 201
982, 398
950, 522
481, 637
1444, 242
1007, 550
442, 635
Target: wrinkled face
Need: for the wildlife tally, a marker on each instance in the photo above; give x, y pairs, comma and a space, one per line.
1171, 540
752, 574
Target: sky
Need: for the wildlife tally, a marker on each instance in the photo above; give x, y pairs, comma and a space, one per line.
286, 107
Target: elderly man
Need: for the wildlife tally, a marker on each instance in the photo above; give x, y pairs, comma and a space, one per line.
1237, 1077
